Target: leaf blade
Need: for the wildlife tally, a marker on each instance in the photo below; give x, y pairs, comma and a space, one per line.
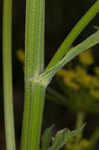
89, 42
63, 136
46, 138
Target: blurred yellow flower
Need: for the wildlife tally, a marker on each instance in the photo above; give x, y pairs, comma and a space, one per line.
86, 79
69, 78
96, 70
20, 55
62, 72
86, 57
82, 76
80, 71
79, 77
95, 82
83, 144
69, 82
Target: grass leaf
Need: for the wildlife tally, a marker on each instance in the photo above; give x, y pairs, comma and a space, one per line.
96, 27
75, 51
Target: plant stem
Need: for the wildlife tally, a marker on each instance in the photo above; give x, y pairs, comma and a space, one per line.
78, 28
80, 119
94, 137
56, 97
34, 63
36, 115
79, 122
7, 75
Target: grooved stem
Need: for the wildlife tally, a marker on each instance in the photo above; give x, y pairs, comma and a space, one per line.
34, 64
7, 75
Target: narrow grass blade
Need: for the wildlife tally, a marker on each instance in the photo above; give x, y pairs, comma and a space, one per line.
56, 97
71, 37
96, 27
89, 42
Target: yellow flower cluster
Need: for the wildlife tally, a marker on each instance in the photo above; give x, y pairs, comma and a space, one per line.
69, 78
96, 70
86, 58
80, 78
20, 55
84, 144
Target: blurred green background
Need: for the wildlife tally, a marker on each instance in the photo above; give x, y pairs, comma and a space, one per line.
61, 16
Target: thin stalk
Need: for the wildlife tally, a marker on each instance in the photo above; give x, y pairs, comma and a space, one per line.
80, 119
56, 100
34, 64
79, 123
7, 75
56, 97
94, 138
78, 28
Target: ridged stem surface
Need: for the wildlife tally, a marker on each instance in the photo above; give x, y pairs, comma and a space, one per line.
34, 64
7, 75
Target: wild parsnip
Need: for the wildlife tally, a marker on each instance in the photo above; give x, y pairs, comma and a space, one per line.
36, 77
34, 64
36, 81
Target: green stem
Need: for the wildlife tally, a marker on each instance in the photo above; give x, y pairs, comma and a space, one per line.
56, 97
36, 115
78, 28
79, 122
34, 63
80, 119
7, 75
94, 138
